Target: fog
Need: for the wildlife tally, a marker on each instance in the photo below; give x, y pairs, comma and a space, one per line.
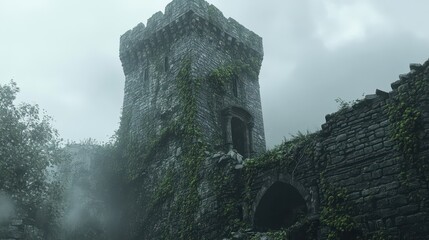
7, 208
64, 56
92, 206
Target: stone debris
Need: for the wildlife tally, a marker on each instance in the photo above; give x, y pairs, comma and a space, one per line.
232, 157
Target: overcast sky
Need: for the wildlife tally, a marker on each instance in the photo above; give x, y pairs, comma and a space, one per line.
64, 55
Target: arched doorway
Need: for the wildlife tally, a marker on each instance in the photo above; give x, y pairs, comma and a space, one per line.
238, 125
280, 207
239, 139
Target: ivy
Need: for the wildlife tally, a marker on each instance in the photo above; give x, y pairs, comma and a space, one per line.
193, 151
182, 195
286, 155
406, 120
224, 182
138, 156
304, 229
335, 213
165, 188
223, 75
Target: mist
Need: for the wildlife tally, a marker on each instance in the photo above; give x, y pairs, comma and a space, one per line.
92, 209
64, 57
7, 208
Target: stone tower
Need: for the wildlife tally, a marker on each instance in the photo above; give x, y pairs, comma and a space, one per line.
191, 79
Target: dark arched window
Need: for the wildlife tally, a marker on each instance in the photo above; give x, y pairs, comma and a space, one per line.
239, 139
281, 206
239, 130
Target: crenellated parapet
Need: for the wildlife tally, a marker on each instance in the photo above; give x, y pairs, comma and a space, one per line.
182, 17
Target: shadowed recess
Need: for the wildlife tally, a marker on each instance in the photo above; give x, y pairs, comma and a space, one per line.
280, 207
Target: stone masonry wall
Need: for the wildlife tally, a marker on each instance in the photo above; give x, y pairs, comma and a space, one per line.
202, 33
372, 155
356, 151
361, 155
153, 57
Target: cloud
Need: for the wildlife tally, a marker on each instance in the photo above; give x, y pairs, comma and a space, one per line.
344, 23
64, 55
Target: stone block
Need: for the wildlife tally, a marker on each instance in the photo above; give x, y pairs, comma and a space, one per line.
378, 146
370, 191
341, 137
392, 185
400, 221
368, 150
416, 218
387, 212
398, 201
376, 174
408, 209
391, 170
373, 127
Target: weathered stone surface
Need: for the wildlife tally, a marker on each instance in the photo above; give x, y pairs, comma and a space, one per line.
152, 56
354, 150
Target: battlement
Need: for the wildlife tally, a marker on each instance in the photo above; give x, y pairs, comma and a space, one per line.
402, 85
182, 16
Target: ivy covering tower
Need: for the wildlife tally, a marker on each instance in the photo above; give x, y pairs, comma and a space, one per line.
191, 90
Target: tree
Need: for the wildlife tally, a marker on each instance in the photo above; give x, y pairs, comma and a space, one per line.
29, 148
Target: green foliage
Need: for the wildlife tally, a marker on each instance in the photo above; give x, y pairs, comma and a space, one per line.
335, 213
29, 147
220, 77
165, 188
406, 121
223, 75
225, 186
344, 105
288, 154
381, 234
303, 229
193, 150
189, 133
274, 235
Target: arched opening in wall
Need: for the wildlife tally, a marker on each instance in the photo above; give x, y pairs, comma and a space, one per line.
238, 130
239, 141
280, 207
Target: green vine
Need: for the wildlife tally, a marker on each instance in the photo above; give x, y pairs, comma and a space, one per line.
193, 151
224, 182
288, 155
405, 124
304, 229
223, 75
165, 189
335, 213
181, 193
380, 234
406, 120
